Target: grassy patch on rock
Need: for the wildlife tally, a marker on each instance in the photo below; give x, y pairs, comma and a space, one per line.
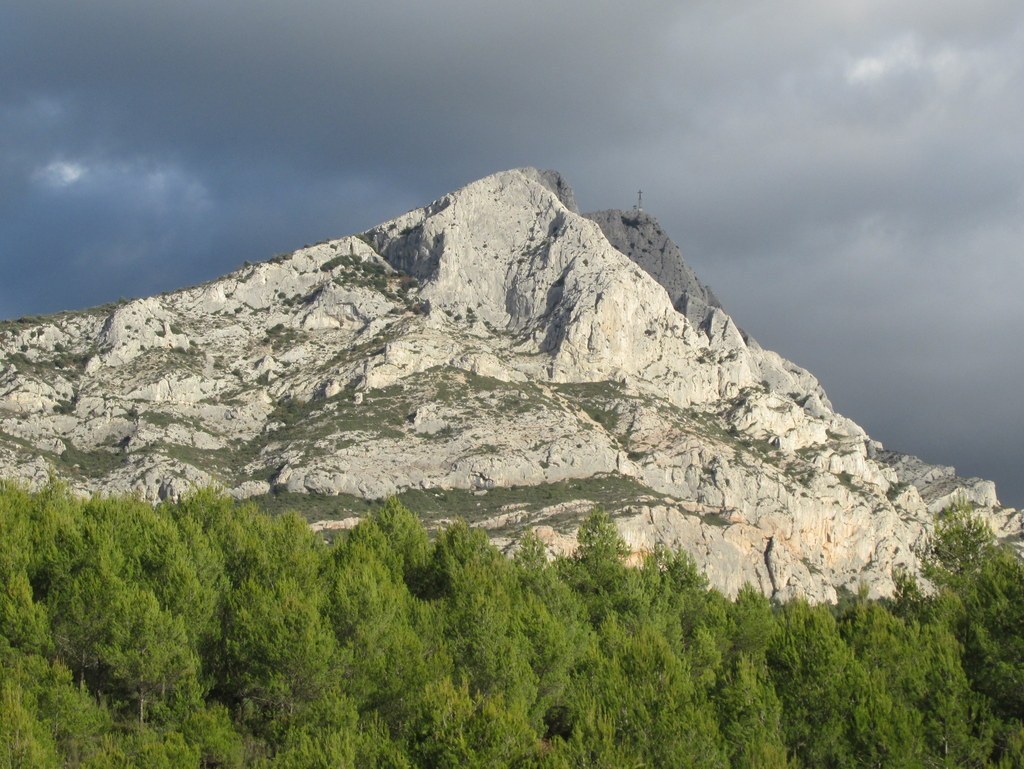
611, 492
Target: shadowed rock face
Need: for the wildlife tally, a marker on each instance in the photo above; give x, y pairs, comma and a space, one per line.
639, 236
494, 355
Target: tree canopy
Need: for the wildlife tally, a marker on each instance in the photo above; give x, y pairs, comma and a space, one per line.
205, 634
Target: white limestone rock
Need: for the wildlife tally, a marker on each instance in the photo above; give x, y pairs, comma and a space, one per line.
135, 327
494, 342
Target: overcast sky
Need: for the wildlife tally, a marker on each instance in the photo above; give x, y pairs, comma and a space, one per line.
846, 175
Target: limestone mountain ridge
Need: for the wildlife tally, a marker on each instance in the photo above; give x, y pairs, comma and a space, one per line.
495, 355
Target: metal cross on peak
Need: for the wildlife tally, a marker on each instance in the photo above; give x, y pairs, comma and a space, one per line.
639, 201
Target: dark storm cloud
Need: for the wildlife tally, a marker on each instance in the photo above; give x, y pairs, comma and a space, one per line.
321, 85
847, 175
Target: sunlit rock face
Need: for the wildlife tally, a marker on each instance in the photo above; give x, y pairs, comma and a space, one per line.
495, 355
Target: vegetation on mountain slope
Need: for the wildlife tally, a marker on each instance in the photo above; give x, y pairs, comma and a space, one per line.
207, 634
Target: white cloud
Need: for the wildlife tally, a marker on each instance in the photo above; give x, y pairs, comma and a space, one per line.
902, 55
154, 186
59, 173
946, 66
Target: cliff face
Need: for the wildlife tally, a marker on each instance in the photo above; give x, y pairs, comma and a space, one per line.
495, 355
638, 236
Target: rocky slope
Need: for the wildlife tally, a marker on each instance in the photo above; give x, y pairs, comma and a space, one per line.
495, 355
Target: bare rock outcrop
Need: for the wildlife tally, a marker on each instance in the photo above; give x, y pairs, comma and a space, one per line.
639, 236
494, 355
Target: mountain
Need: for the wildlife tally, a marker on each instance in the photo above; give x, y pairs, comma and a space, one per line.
495, 355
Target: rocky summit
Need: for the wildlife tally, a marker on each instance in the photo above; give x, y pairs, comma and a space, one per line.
496, 355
